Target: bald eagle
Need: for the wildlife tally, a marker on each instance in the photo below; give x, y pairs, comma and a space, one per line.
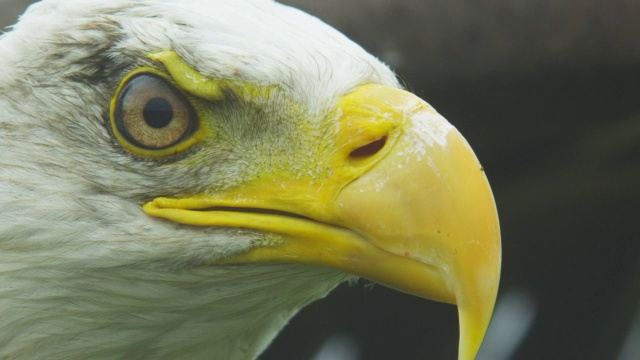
179, 178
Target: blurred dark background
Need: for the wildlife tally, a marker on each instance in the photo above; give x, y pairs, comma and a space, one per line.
548, 95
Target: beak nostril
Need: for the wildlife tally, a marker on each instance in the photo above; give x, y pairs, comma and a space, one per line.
370, 149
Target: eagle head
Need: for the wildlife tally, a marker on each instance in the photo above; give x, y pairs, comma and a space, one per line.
178, 179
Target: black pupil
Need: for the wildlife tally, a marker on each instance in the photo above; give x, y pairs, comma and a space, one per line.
158, 113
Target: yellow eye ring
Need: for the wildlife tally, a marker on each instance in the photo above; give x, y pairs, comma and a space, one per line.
151, 117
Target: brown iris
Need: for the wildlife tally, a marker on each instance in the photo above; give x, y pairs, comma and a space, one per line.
151, 114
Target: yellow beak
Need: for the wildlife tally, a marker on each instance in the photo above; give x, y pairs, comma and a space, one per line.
404, 203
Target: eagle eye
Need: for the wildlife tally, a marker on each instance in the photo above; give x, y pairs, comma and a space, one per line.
151, 114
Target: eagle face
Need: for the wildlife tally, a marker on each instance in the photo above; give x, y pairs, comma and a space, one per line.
178, 179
